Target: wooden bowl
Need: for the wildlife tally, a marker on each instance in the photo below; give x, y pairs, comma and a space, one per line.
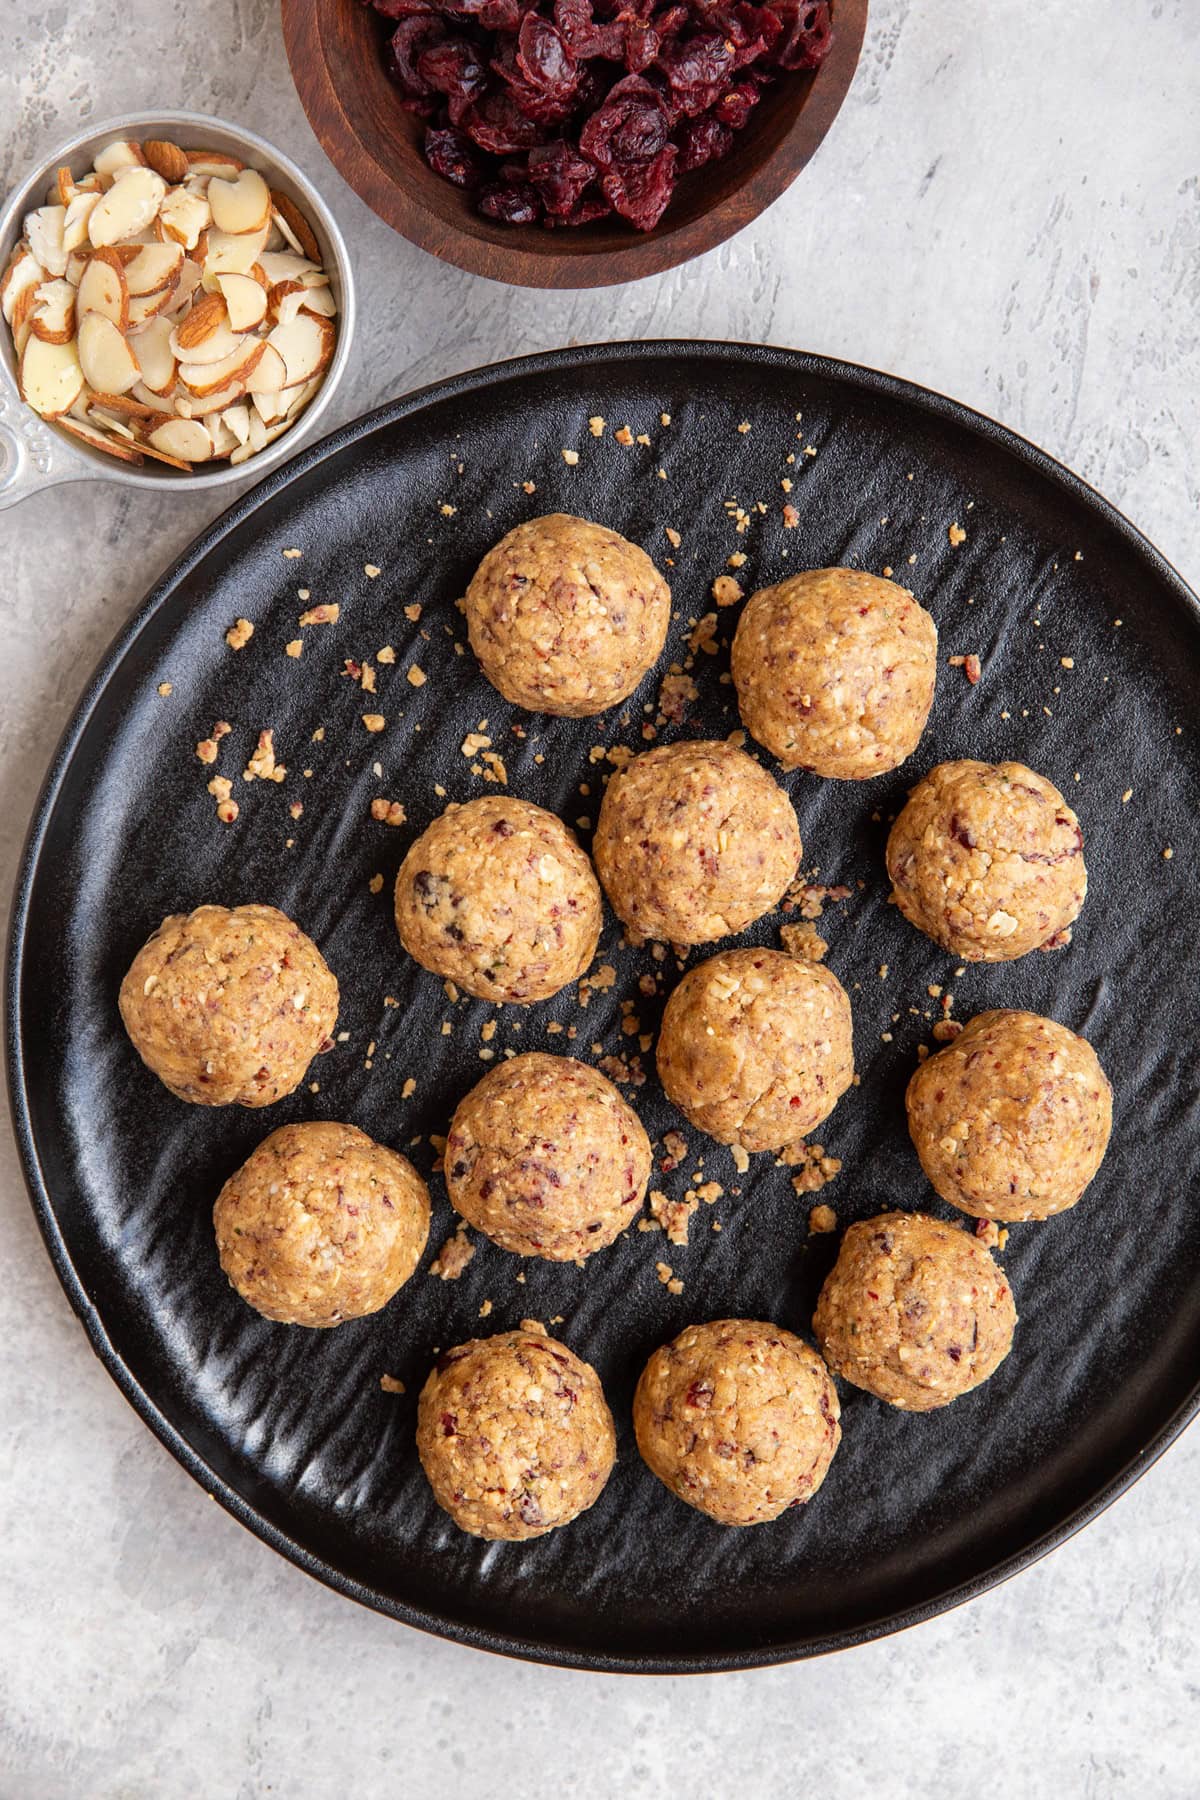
334, 48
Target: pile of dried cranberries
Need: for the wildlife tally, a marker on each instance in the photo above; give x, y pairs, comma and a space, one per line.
567, 112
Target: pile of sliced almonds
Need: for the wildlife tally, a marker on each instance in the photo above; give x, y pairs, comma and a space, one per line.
169, 304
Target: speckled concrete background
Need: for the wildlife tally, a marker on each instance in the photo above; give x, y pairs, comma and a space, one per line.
1007, 210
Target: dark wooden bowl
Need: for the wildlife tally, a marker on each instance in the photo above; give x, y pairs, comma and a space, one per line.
334, 49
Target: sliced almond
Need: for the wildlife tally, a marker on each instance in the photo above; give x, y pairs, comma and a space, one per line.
77, 262
155, 267
75, 226
175, 462
223, 440
102, 440
123, 154
53, 317
285, 298
269, 407
183, 216
269, 374
108, 362
148, 306
23, 271
126, 406
202, 379
167, 158
207, 316
64, 190
129, 206
185, 438
236, 420
241, 205
157, 359
245, 300
198, 406
306, 346
320, 301
233, 253
294, 226
44, 235
107, 421
285, 265
213, 162
102, 289
303, 396
185, 290
22, 319
51, 377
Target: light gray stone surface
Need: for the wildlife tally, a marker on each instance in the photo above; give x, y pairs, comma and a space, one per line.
1007, 210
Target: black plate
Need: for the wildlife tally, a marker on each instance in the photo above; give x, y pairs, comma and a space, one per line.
289, 1429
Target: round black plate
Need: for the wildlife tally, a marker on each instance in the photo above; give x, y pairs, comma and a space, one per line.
290, 1429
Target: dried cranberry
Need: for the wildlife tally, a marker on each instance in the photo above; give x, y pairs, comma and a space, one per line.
511, 203
497, 124
454, 69
642, 195
807, 33
735, 106
560, 175
448, 152
704, 140
543, 57
409, 42
630, 129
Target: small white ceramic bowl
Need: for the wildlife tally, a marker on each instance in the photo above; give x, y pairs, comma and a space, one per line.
34, 454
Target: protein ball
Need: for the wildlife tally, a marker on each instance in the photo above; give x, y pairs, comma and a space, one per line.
835, 672
1011, 1120
229, 1006
987, 860
756, 1047
914, 1311
498, 897
694, 841
546, 1159
321, 1224
566, 616
514, 1434
738, 1418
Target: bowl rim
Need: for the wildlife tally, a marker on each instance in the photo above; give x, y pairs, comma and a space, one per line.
652, 253
74, 461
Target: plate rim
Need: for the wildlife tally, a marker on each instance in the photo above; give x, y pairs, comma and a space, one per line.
798, 364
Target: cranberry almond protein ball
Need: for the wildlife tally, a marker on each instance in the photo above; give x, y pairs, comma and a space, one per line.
566, 617
1011, 1120
546, 1159
514, 1434
914, 1311
755, 1047
228, 1006
738, 1418
694, 841
498, 896
835, 672
987, 860
321, 1224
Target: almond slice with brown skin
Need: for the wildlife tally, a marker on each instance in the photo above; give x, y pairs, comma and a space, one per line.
154, 353
236, 419
214, 349
102, 289
167, 158
187, 439
213, 162
64, 187
269, 374
22, 320
123, 154
185, 289
23, 271
207, 315
198, 406
294, 226
149, 306
269, 407
233, 253
183, 216
241, 205
306, 346
156, 266
44, 235
245, 299
53, 317
125, 406
107, 360
102, 440
51, 377
203, 379
285, 298
129, 206
75, 226
303, 396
